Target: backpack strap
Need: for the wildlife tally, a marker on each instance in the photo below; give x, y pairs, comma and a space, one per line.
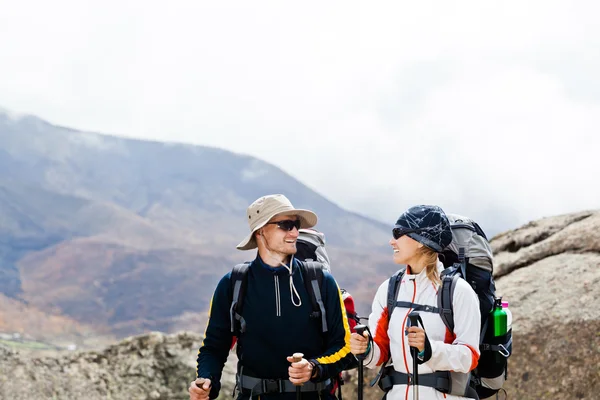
417, 307
313, 280
393, 288
445, 296
479, 231
463, 262
239, 281
392, 302
392, 296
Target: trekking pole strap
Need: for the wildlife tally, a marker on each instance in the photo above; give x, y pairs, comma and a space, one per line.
437, 380
258, 386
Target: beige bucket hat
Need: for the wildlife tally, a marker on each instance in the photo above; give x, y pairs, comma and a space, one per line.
263, 209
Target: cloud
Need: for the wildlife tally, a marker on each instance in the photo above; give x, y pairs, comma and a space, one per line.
486, 109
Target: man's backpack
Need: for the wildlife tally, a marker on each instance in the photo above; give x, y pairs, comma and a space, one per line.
311, 246
469, 256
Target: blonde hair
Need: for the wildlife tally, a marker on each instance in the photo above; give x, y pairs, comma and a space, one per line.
429, 258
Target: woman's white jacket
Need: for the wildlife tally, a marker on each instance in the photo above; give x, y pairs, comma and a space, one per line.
457, 352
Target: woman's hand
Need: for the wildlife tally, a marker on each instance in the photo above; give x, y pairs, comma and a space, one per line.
416, 338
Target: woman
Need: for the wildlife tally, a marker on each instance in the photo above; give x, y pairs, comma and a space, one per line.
420, 234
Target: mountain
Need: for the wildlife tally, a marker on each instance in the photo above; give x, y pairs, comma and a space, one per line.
126, 236
549, 272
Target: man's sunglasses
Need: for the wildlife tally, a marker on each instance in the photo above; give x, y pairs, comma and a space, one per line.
287, 224
397, 233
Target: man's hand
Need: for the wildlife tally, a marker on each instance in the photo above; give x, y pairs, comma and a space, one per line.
199, 389
300, 371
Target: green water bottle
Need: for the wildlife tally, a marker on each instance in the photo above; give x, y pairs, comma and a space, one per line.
499, 319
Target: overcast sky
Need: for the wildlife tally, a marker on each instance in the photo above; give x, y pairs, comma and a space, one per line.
487, 110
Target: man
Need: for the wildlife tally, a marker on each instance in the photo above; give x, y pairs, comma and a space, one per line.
277, 315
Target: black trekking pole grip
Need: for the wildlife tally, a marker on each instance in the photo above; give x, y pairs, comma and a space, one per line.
360, 329
414, 321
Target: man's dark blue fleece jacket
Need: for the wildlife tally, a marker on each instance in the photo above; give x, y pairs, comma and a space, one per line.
275, 329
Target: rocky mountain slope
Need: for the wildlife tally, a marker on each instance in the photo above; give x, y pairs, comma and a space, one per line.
548, 270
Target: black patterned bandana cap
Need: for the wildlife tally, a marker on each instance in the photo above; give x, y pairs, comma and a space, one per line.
427, 225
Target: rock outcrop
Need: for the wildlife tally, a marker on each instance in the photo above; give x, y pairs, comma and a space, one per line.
146, 367
549, 271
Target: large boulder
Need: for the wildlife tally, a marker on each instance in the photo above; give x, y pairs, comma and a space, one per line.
549, 271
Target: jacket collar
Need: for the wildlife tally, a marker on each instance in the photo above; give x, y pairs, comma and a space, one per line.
421, 277
281, 270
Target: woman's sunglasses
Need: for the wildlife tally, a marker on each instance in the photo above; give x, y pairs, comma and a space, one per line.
287, 224
397, 233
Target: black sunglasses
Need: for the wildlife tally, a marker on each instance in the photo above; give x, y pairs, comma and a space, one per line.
397, 233
287, 224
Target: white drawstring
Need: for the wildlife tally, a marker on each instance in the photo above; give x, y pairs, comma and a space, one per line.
292, 287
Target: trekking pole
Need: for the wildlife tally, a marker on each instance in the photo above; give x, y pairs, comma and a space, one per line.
360, 329
297, 358
414, 317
